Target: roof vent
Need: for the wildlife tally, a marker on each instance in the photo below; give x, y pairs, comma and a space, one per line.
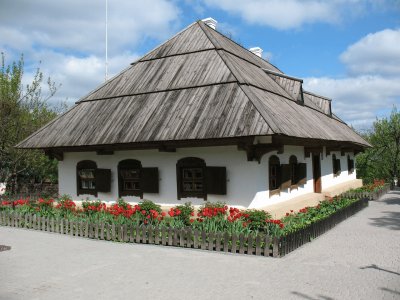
257, 51
211, 23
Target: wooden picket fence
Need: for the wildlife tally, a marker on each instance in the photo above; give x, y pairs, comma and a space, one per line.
294, 240
370, 195
260, 245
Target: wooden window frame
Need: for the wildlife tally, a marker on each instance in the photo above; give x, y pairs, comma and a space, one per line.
274, 189
88, 165
125, 166
188, 163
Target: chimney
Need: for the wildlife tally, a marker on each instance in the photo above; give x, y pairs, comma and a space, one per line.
211, 23
257, 51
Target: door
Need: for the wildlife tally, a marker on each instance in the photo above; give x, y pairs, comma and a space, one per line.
317, 173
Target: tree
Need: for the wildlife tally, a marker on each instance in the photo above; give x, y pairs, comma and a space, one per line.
23, 110
382, 161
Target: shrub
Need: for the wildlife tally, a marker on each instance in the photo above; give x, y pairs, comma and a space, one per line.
256, 219
148, 205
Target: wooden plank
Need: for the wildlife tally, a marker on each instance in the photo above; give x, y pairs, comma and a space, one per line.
226, 242
176, 238
48, 224
181, 234
250, 247
71, 228
151, 235
102, 230
144, 237
108, 233
218, 237
132, 233
203, 240
157, 235
96, 231
242, 240
234, 245
87, 229
210, 244
170, 233
266, 249
163, 236
113, 236
258, 244
196, 239
275, 249
125, 233
137, 236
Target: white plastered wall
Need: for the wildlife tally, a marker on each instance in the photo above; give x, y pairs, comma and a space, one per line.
327, 177
247, 182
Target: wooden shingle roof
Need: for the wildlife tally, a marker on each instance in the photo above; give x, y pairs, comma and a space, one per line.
198, 85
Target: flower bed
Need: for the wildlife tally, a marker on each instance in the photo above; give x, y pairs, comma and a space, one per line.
214, 226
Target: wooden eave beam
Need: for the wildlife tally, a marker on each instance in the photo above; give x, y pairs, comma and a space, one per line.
257, 151
313, 150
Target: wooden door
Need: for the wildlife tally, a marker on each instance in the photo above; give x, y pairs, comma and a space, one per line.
317, 173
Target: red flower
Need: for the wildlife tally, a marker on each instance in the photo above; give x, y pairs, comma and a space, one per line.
287, 214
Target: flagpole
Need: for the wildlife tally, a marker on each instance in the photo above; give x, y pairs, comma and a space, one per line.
106, 73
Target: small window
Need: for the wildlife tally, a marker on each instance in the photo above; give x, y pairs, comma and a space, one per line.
274, 174
195, 179
86, 177
336, 165
134, 180
191, 178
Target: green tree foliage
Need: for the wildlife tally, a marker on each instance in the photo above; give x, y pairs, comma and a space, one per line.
383, 160
23, 110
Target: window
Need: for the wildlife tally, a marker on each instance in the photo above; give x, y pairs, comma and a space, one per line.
134, 180
293, 170
274, 175
86, 177
91, 180
195, 179
350, 164
336, 165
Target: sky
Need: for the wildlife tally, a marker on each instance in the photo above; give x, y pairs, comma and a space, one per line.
347, 50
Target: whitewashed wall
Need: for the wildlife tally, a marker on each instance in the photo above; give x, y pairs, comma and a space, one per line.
247, 184
327, 177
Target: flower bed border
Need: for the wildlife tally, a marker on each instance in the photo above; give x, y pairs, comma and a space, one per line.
259, 245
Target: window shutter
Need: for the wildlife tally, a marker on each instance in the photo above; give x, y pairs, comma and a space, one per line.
301, 173
285, 177
216, 180
103, 180
337, 167
149, 180
351, 165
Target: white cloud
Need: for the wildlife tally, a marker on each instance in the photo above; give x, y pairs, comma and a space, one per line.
77, 75
68, 37
372, 85
288, 14
79, 26
377, 53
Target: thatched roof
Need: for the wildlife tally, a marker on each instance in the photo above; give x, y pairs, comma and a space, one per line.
199, 85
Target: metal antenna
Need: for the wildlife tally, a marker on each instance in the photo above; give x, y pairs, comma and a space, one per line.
106, 74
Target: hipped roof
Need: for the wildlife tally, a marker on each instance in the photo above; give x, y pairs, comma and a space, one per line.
197, 85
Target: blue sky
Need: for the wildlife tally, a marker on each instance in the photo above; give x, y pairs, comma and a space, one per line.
348, 50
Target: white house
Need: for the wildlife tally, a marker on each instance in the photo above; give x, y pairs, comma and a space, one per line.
200, 118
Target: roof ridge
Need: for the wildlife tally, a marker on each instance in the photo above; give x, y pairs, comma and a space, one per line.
224, 36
